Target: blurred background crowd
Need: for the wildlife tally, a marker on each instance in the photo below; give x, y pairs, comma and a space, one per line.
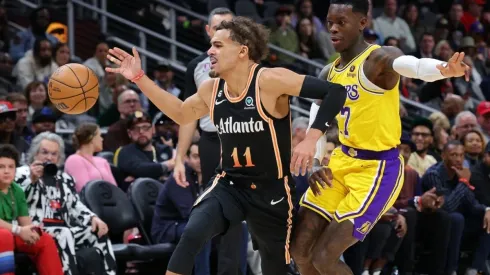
127, 146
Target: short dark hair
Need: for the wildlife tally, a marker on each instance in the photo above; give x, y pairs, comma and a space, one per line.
423, 122
8, 151
219, 11
190, 146
361, 6
426, 34
451, 143
248, 33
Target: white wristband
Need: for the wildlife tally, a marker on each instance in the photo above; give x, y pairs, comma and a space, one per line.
321, 148
15, 229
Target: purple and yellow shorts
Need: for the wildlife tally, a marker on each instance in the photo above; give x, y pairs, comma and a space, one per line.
365, 185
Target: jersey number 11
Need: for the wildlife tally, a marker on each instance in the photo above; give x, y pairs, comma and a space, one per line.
248, 158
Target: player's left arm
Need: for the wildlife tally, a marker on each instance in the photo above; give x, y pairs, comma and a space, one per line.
385, 64
285, 82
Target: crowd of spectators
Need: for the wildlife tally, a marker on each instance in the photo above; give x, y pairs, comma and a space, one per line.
437, 218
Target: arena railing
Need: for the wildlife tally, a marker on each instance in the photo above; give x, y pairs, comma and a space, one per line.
143, 32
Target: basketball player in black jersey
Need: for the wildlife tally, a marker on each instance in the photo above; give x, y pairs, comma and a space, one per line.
250, 107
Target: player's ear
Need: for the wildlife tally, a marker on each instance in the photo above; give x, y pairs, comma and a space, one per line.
363, 23
243, 51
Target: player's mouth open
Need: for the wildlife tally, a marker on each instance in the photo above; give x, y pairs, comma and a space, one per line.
335, 40
213, 61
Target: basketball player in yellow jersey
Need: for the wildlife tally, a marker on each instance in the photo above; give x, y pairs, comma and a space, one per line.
365, 174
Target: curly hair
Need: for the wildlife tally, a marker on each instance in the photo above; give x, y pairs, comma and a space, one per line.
248, 33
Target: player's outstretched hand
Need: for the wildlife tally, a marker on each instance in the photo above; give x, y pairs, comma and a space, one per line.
129, 65
321, 176
455, 67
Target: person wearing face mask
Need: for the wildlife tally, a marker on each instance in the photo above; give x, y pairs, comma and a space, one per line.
53, 201
83, 166
37, 64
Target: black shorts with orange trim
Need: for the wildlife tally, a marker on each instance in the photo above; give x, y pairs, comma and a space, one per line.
267, 207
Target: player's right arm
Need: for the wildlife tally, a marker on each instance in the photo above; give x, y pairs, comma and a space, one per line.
186, 131
185, 112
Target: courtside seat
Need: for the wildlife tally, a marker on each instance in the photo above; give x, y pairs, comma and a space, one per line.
109, 156
143, 194
113, 206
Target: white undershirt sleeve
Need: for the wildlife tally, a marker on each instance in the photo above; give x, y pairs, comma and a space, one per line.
423, 68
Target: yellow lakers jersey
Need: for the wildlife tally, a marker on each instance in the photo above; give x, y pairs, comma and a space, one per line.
370, 118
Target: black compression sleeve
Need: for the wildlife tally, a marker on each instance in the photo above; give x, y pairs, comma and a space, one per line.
333, 96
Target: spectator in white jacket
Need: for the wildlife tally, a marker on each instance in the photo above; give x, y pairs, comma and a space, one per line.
37, 64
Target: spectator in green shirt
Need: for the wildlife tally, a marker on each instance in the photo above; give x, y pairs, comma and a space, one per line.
16, 229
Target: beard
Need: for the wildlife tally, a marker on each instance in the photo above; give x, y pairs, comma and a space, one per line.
213, 74
44, 61
142, 143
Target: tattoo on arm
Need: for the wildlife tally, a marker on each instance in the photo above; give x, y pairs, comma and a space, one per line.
381, 61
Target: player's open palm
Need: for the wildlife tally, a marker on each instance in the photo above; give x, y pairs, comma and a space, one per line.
455, 67
129, 65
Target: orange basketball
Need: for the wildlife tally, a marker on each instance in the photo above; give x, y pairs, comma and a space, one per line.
73, 88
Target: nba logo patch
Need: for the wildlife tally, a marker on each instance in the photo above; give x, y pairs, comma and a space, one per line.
352, 68
249, 103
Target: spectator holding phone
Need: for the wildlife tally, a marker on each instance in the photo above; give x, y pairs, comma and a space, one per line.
53, 201
17, 232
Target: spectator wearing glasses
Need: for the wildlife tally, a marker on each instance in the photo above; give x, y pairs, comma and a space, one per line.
8, 115
53, 201
128, 102
142, 158
422, 136
17, 231
465, 122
